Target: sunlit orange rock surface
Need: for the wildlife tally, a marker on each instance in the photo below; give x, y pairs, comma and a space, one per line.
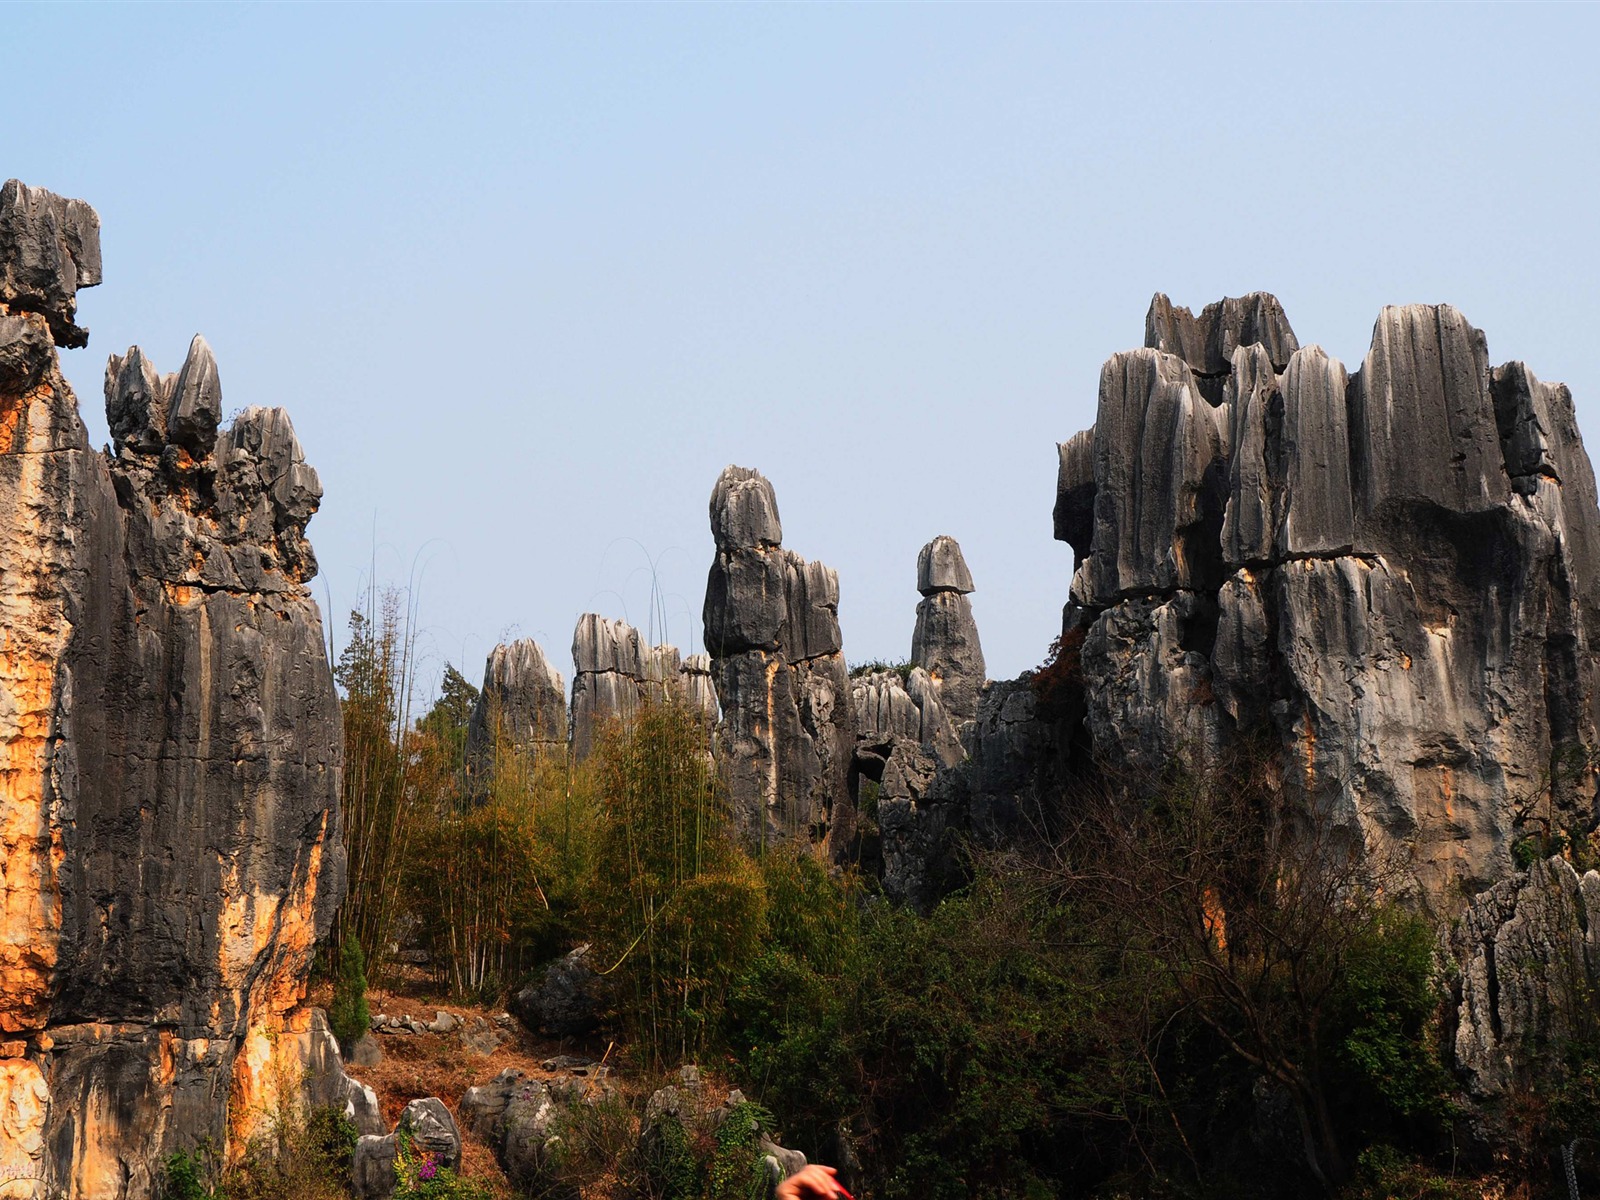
170, 746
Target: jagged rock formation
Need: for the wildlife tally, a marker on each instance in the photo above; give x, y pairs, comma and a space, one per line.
772, 629
1529, 955
911, 726
945, 641
526, 696
1391, 571
616, 671
170, 745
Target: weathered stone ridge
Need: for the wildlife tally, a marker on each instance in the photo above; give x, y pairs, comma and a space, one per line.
772, 630
522, 706
616, 672
170, 744
1393, 571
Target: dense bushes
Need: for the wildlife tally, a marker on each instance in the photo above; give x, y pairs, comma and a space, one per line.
676, 907
1187, 992
1165, 1003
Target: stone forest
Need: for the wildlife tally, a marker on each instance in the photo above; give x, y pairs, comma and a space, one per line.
1274, 879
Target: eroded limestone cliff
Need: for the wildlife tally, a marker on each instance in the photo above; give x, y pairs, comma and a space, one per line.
170, 745
1391, 571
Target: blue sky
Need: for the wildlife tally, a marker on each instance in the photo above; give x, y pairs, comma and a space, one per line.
527, 277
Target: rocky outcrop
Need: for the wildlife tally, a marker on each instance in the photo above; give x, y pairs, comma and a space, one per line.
432, 1132
522, 706
1528, 950
170, 745
772, 629
616, 672
570, 999
1391, 572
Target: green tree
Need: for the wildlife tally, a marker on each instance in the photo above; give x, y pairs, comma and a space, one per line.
348, 1015
676, 906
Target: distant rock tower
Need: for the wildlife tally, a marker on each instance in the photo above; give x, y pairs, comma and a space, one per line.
772, 629
616, 672
526, 696
945, 642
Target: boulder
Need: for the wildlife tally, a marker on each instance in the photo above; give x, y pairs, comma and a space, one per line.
568, 1000
433, 1130
372, 1166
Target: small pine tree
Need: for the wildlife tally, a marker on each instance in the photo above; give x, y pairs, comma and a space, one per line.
348, 1015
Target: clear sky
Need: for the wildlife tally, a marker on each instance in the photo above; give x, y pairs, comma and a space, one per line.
527, 278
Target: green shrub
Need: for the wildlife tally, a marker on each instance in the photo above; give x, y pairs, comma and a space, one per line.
1384, 1031
330, 1138
187, 1175
677, 909
669, 1162
736, 1171
348, 1015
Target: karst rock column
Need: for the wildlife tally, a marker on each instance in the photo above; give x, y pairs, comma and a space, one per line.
772, 629
1391, 574
170, 746
522, 706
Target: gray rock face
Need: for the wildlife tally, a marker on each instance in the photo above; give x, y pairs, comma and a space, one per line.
170, 745
327, 1086
1529, 956
945, 642
520, 1119
522, 695
49, 248
615, 673
1393, 572
569, 1000
1074, 511
699, 687
772, 629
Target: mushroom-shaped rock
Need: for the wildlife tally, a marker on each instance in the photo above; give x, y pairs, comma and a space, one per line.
942, 568
945, 642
